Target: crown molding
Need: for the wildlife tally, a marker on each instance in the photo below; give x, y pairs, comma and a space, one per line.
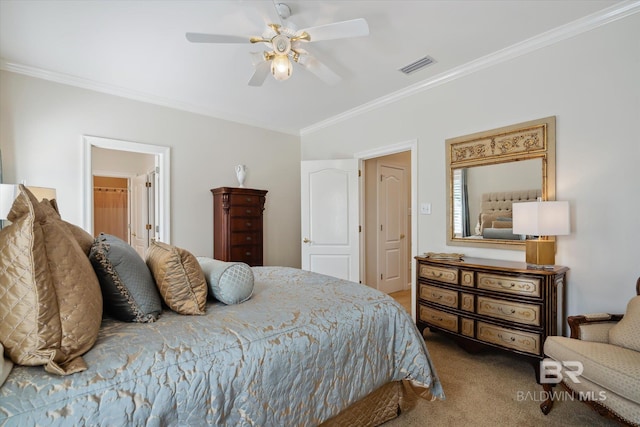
579, 26
109, 89
603, 17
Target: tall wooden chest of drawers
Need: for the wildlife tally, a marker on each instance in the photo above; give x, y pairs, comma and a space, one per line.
237, 224
500, 304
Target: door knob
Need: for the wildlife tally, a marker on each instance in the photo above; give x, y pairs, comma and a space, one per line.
402, 236
306, 240
134, 234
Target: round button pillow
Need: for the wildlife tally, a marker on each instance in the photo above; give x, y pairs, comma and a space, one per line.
229, 282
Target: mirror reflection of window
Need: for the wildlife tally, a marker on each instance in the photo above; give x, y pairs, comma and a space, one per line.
461, 224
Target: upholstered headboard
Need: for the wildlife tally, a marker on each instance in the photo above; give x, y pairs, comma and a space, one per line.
497, 206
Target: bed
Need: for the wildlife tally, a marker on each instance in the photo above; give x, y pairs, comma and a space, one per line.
495, 218
303, 349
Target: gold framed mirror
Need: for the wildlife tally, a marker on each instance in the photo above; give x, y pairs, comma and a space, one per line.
488, 171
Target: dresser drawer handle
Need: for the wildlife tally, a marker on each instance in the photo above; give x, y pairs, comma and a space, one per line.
248, 224
509, 286
248, 199
248, 237
436, 296
247, 253
436, 275
440, 319
248, 211
510, 339
507, 312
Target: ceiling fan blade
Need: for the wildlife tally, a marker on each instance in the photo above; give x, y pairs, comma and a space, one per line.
262, 69
215, 38
338, 30
323, 72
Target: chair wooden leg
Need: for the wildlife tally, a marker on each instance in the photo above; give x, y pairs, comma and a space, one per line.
546, 406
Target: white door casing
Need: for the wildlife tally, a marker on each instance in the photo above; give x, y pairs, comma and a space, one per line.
392, 218
163, 179
330, 217
139, 234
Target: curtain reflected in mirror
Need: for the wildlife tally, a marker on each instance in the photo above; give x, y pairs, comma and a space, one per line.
462, 227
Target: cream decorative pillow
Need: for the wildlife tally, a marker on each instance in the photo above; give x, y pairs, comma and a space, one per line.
626, 333
178, 277
50, 301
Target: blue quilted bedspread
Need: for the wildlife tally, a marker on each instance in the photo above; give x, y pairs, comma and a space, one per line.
302, 349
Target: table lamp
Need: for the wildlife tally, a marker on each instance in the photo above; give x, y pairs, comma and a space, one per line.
9, 192
541, 220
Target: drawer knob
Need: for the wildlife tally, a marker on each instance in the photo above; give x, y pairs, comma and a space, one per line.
247, 253
508, 312
248, 224
248, 237
248, 199
248, 211
509, 339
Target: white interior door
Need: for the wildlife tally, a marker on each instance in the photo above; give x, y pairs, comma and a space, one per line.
392, 231
330, 218
140, 214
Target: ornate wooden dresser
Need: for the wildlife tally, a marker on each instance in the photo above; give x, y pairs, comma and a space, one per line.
237, 224
492, 303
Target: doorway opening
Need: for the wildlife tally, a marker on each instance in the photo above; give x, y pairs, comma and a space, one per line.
151, 164
387, 222
377, 247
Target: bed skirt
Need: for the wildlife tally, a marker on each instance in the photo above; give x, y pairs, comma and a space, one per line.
380, 406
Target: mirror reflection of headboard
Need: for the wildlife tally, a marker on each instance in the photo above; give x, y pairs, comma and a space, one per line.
511, 159
495, 220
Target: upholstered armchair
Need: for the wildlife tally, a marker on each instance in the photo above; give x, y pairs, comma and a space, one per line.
599, 364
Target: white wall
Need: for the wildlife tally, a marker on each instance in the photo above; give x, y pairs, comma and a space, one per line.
41, 124
120, 162
591, 84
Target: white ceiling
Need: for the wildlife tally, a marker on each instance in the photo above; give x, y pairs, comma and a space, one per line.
138, 49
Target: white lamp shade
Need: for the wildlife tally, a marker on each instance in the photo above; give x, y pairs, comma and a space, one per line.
8, 193
541, 218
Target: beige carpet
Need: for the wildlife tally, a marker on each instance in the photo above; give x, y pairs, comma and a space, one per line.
490, 389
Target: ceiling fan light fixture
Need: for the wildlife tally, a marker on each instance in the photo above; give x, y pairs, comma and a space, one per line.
281, 67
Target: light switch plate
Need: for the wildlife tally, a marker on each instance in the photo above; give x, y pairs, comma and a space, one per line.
425, 208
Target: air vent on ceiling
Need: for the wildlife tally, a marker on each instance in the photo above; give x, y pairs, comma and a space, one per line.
418, 65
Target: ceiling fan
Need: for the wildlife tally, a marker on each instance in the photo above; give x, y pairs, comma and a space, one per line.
286, 45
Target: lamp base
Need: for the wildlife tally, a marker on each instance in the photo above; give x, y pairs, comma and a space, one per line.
540, 253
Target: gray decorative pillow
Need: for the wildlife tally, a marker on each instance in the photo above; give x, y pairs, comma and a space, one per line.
128, 289
229, 282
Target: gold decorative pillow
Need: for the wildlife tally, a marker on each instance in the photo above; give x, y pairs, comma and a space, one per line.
179, 278
84, 239
50, 301
502, 224
487, 219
